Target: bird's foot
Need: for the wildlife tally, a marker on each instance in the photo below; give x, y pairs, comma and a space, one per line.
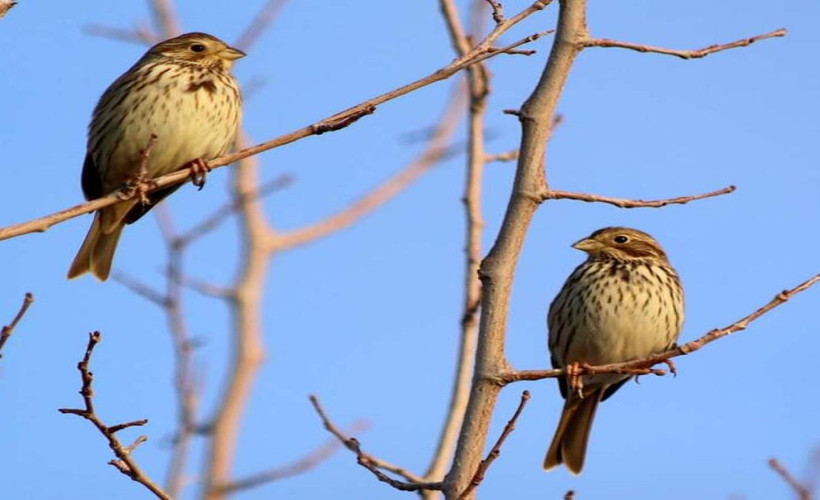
199, 172
574, 380
138, 187
672, 369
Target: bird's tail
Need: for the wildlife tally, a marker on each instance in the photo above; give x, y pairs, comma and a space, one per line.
569, 445
97, 251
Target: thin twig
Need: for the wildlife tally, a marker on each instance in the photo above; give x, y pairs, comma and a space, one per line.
125, 463
496, 449
643, 366
164, 17
436, 151
137, 35
555, 194
259, 24
219, 215
142, 289
371, 463
684, 54
340, 120
7, 330
304, 464
802, 492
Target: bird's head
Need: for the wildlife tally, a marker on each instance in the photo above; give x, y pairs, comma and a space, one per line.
621, 243
200, 49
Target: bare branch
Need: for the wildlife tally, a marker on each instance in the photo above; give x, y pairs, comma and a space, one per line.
125, 463
300, 466
369, 462
137, 35
555, 194
7, 330
506, 156
496, 449
802, 492
143, 290
479, 53
643, 366
436, 151
478, 84
230, 208
685, 54
498, 267
164, 17
259, 24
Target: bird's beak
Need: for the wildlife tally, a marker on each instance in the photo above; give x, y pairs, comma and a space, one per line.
232, 54
587, 245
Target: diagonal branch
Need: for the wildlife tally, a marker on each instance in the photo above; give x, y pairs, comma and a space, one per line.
684, 54
802, 492
437, 150
125, 463
259, 24
371, 463
340, 120
7, 330
495, 452
300, 466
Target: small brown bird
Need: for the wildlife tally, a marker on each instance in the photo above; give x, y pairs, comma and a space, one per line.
625, 302
182, 91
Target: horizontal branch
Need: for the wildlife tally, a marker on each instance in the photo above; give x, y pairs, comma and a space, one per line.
684, 54
555, 194
643, 366
477, 54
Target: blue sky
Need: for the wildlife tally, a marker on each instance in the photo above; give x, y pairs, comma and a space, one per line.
368, 318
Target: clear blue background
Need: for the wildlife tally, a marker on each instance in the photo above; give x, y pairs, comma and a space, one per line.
368, 318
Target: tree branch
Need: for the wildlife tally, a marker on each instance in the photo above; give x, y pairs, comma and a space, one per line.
684, 54
304, 464
437, 150
371, 463
7, 330
802, 492
340, 120
125, 463
260, 23
496, 449
554, 194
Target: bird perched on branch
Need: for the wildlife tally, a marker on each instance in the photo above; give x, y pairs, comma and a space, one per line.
625, 302
177, 106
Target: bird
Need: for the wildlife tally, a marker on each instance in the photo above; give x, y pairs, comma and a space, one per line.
625, 302
178, 106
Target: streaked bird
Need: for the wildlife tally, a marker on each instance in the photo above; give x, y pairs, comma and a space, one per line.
625, 302
182, 91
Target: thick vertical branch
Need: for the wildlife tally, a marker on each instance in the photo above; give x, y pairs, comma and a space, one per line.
498, 268
247, 348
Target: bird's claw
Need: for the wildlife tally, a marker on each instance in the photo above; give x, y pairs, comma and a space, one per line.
574, 380
672, 369
199, 173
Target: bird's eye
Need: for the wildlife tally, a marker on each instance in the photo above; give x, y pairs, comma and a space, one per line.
621, 239
197, 47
